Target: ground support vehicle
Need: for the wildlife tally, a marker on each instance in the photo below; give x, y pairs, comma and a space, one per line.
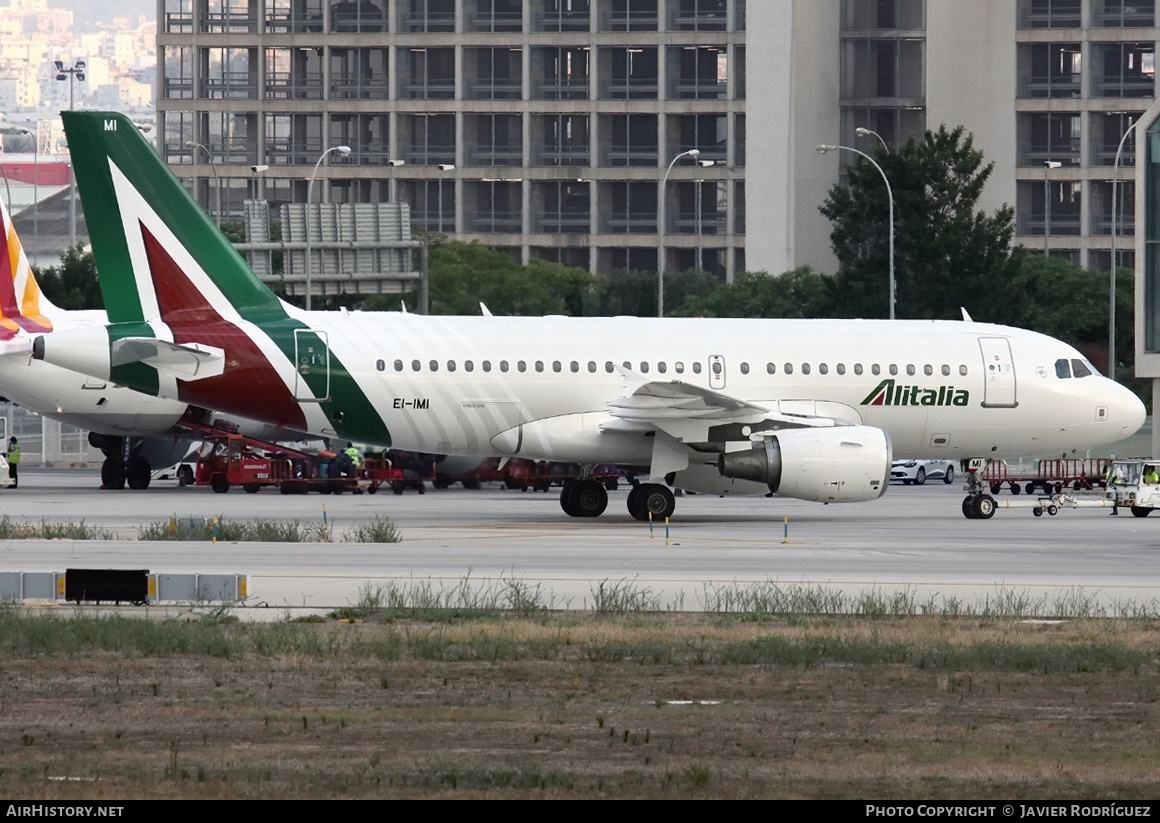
226, 460
978, 505
381, 471
539, 475
1129, 486
1049, 477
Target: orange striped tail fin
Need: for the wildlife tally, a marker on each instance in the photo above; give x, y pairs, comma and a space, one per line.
20, 296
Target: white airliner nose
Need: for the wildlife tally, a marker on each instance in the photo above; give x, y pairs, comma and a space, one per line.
1125, 410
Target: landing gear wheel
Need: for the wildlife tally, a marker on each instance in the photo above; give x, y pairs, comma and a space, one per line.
920, 477
137, 473
969, 507
113, 473
633, 494
568, 498
589, 499
984, 507
655, 499
949, 477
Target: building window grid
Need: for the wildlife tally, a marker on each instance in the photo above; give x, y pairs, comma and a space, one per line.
563, 15
1124, 69
1124, 14
294, 136
1050, 14
1050, 136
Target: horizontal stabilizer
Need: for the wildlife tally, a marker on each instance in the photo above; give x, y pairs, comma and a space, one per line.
191, 361
16, 347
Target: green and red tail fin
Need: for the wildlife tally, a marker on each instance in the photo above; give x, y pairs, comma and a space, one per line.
141, 218
168, 274
22, 305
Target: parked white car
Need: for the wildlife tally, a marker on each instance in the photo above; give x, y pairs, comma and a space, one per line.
917, 472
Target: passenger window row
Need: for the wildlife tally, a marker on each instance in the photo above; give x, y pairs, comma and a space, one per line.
575, 367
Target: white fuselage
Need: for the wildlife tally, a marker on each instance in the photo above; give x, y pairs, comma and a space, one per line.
88, 403
541, 387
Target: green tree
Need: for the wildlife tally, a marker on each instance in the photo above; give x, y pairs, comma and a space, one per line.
461, 275
635, 292
947, 253
74, 283
1071, 304
798, 293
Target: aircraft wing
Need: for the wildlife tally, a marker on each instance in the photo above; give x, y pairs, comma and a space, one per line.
693, 414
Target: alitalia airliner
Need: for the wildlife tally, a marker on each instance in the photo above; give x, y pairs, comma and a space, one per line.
811, 409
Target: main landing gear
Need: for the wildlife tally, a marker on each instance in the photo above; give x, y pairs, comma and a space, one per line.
583, 498
120, 466
588, 498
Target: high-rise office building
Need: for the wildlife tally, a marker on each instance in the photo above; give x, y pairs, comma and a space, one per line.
566, 129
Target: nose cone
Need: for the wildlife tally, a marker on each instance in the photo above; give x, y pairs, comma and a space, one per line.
1125, 410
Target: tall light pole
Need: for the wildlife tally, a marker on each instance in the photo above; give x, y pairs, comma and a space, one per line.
72, 74
443, 167
392, 191
704, 164
1048, 165
343, 151
822, 148
217, 180
1112, 273
661, 218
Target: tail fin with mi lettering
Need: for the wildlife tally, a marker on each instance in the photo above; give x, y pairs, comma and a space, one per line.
188, 317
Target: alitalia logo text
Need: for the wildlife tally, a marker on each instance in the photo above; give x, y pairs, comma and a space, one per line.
889, 393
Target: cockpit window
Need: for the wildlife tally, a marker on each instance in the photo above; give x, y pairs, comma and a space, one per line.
1062, 369
1080, 368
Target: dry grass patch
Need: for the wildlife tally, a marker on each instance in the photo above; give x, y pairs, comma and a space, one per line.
584, 706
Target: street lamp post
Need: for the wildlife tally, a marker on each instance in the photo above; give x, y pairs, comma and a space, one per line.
343, 151
1112, 273
861, 131
217, 180
443, 167
392, 191
73, 73
1048, 165
661, 218
822, 148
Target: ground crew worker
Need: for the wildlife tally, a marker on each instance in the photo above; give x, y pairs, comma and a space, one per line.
13, 460
1150, 475
355, 458
1112, 478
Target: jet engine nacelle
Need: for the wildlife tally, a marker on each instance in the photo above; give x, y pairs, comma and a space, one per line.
843, 464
